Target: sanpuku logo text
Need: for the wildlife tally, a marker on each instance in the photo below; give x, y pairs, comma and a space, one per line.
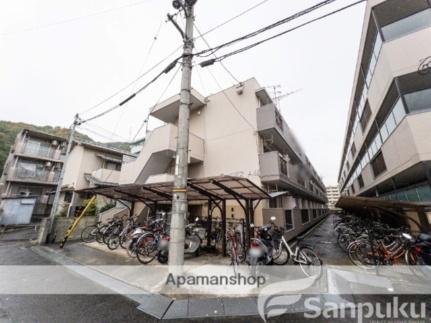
366, 310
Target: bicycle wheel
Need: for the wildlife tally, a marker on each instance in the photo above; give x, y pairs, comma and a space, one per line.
280, 256
146, 249
89, 234
131, 248
113, 242
123, 241
343, 241
107, 234
100, 232
309, 261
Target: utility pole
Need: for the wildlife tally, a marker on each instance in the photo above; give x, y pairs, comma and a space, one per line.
179, 198
76, 122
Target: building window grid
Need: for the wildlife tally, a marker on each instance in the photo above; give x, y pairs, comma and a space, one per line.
379, 40
395, 116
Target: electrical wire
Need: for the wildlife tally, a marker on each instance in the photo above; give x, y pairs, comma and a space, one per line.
130, 97
208, 52
168, 56
240, 50
209, 46
145, 122
132, 82
231, 19
114, 136
74, 19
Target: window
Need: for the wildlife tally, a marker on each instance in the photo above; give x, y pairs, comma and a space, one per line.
360, 181
288, 220
378, 164
314, 213
283, 166
390, 124
353, 189
305, 217
353, 150
407, 25
365, 117
68, 197
418, 101
399, 111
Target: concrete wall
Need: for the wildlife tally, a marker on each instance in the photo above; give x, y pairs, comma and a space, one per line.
298, 227
61, 225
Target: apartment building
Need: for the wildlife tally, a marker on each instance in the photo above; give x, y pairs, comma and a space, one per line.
332, 194
36, 159
240, 132
89, 165
387, 149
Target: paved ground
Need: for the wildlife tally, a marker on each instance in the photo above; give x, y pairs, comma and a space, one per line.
116, 308
324, 241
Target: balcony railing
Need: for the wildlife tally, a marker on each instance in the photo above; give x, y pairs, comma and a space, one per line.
39, 151
274, 129
274, 170
23, 175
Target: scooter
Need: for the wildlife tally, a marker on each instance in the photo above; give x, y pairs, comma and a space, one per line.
192, 243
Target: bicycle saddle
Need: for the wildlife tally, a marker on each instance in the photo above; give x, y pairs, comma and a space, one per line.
424, 237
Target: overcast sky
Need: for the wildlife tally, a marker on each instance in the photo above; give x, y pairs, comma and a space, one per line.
60, 57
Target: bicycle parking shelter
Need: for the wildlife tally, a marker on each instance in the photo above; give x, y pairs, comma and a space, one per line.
214, 190
373, 206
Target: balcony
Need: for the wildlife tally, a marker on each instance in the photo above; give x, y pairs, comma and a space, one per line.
274, 170
106, 176
39, 152
167, 110
273, 129
16, 174
158, 153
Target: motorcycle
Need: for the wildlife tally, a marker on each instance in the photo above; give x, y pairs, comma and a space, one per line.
192, 243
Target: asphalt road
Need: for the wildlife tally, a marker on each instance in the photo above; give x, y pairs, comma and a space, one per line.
75, 308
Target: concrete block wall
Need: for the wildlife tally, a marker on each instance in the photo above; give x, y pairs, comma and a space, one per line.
61, 224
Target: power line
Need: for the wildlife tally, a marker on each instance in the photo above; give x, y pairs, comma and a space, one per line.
168, 56
208, 52
145, 122
74, 19
209, 46
130, 97
132, 82
240, 50
113, 136
231, 19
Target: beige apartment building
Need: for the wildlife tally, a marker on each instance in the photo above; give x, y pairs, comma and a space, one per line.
387, 149
36, 159
239, 132
33, 168
333, 195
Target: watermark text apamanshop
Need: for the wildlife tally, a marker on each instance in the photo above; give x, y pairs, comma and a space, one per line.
215, 280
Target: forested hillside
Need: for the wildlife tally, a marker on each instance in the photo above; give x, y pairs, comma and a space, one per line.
9, 130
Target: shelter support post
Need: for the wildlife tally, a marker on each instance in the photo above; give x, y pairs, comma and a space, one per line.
223, 227
209, 222
423, 219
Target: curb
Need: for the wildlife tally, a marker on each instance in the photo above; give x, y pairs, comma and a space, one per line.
156, 305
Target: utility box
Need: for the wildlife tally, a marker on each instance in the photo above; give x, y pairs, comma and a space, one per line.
16, 210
